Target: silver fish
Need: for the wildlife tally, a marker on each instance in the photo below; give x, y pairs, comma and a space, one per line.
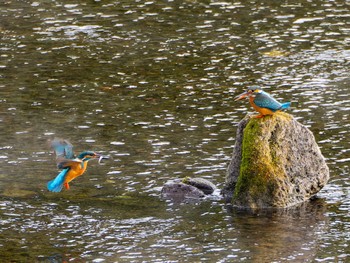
102, 157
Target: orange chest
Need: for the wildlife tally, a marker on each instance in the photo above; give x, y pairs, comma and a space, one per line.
251, 101
75, 172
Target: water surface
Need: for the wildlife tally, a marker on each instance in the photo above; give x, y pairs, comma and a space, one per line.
151, 83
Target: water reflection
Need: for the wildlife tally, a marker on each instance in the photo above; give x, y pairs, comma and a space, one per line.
286, 235
78, 231
151, 83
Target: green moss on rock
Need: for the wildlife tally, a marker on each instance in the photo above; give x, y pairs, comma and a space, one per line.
259, 164
186, 179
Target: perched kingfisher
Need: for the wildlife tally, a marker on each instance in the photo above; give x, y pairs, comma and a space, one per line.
71, 166
262, 102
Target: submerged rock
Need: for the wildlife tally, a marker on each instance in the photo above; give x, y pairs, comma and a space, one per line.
202, 184
276, 162
194, 188
181, 190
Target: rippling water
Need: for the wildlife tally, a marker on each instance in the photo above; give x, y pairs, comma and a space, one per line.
151, 83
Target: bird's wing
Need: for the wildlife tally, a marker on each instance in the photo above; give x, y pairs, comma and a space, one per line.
264, 100
69, 163
63, 149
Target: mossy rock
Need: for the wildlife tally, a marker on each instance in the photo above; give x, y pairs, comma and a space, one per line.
276, 163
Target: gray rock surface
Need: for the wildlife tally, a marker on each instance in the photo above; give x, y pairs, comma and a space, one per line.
202, 184
276, 162
181, 190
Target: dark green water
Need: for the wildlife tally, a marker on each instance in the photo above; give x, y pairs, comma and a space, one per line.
151, 83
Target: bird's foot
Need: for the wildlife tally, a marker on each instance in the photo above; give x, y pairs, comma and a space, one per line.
66, 185
258, 116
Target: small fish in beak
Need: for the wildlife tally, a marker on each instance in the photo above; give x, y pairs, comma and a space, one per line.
102, 157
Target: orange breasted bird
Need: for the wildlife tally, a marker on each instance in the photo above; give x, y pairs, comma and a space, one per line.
72, 166
262, 102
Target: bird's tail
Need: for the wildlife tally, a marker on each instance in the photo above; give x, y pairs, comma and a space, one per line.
56, 184
285, 105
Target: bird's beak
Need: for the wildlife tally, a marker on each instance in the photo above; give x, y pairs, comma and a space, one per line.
242, 96
95, 156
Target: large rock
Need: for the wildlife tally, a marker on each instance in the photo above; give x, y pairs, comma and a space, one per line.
276, 162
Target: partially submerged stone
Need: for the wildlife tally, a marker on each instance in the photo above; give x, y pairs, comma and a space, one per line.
276, 162
194, 188
181, 190
202, 184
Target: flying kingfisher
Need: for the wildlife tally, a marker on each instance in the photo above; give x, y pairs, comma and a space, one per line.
262, 102
71, 165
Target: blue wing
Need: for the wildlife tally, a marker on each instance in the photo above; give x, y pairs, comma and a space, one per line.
56, 184
264, 100
63, 149
67, 163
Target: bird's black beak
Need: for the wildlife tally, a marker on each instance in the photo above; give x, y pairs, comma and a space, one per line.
242, 96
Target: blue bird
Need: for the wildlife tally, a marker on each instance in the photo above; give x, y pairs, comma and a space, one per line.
71, 166
262, 102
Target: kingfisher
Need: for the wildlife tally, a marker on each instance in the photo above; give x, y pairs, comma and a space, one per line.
262, 101
72, 166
